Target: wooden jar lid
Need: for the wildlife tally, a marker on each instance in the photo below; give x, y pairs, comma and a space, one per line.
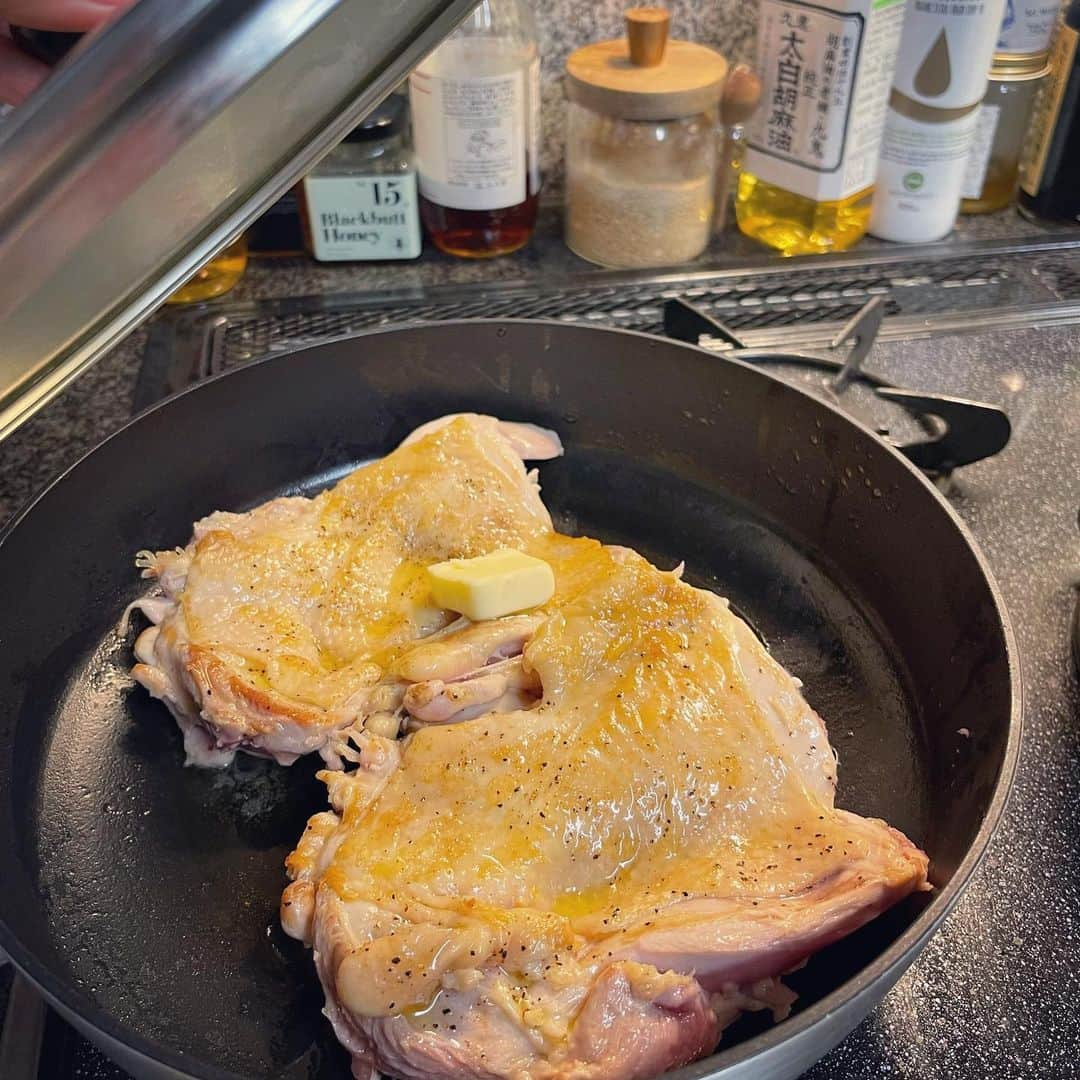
644, 76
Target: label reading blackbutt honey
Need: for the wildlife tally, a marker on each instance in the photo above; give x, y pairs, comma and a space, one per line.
363, 217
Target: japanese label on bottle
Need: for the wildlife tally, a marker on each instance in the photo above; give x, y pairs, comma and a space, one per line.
471, 138
363, 217
1027, 27
826, 76
979, 156
1047, 107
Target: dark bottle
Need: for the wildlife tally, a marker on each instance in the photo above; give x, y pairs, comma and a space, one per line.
475, 113
1050, 167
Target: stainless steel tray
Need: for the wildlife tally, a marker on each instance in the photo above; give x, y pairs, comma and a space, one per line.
156, 142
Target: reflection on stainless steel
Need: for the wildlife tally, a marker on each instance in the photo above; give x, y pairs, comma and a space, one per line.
154, 144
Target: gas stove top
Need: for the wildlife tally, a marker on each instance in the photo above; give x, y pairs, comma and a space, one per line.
994, 993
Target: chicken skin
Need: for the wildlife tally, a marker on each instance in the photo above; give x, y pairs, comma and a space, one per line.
572, 842
594, 885
272, 627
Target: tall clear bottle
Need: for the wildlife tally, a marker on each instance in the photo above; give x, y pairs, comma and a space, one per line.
476, 124
812, 147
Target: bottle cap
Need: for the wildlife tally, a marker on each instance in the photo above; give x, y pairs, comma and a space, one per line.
644, 76
386, 119
1014, 67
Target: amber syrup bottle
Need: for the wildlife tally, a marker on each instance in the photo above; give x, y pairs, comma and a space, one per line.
480, 234
475, 110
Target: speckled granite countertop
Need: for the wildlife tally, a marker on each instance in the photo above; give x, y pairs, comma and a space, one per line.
995, 993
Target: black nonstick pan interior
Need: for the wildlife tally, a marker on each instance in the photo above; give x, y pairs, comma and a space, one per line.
143, 894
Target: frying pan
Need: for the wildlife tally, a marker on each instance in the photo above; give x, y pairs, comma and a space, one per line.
141, 896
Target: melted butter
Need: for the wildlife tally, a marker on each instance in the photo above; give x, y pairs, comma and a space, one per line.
518, 847
586, 901
423, 1011
389, 621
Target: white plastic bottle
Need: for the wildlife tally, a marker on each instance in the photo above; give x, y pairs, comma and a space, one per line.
945, 54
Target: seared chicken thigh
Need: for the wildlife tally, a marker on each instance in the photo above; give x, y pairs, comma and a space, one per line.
272, 627
595, 884
610, 825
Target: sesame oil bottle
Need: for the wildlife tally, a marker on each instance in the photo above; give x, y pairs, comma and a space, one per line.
812, 146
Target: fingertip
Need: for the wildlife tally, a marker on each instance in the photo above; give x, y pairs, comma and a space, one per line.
76, 16
20, 75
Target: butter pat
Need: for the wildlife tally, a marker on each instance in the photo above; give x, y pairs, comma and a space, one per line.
491, 586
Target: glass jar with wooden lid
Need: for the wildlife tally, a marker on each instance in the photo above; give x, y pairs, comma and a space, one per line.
641, 147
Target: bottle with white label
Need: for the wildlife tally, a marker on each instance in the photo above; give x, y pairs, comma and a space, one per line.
1026, 31
476, 127
812, 146
1003, 124
360, 202
933, 117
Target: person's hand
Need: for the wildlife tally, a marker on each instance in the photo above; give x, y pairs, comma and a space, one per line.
21, 74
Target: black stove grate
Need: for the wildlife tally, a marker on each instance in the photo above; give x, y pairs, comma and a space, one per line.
1062, 277
244, 339
750, 302
766, 304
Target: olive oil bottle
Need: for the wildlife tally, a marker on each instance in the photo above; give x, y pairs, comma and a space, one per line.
812, 147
